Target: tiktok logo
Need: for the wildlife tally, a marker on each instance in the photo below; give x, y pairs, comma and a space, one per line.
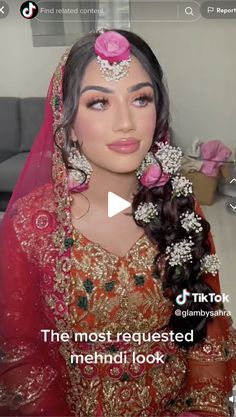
181, 298
29, 9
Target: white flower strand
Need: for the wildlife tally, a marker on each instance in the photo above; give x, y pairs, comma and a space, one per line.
191, 221
211, 264
146, 162
146, 212
180, 252
181, 186
170, 158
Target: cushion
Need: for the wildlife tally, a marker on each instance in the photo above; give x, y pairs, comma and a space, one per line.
10, 170
5, 155
10, 125
31, 116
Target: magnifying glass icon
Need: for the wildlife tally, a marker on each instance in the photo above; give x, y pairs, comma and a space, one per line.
188, 11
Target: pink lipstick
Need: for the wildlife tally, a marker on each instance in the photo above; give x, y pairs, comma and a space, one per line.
126, 145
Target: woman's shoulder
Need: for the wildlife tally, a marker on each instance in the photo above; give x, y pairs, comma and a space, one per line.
32, 220
40, 199
35, 212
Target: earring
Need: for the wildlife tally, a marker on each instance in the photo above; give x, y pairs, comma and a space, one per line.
80, 173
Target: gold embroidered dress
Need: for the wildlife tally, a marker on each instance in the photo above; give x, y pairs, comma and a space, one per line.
106, 293
122, 294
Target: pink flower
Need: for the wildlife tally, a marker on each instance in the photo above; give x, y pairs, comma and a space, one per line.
80, 188
154, 177
74, 186
112, 46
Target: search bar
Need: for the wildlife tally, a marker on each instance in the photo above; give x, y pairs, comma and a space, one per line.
140, 11
164, 11
219, 9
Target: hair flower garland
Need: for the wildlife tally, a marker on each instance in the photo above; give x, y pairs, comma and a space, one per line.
181, 186
210, 264
150, 172
180, 252
145, 164
154, 177
146, 212
169, 157
156, 169
191, 221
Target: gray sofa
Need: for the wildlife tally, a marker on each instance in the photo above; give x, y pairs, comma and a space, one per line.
20, 121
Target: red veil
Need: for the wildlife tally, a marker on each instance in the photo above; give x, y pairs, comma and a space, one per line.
35, 263
33, 380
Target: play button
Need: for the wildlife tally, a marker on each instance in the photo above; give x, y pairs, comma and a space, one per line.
116, 204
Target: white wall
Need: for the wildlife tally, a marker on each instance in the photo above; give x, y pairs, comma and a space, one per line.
25, 71
199, 61
198, 58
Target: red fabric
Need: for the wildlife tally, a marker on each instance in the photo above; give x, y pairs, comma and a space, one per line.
21, 305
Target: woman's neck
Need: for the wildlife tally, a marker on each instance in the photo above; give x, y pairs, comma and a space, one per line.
103, 181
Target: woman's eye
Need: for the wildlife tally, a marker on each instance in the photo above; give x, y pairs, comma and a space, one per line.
101, 104
98, 104
143, 100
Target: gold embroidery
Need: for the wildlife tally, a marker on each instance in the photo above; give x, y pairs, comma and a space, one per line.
10, 353
210, 399
38, 381
122, 288
36, 241
135, 301
212, 350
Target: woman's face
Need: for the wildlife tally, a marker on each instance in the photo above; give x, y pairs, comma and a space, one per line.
109, 111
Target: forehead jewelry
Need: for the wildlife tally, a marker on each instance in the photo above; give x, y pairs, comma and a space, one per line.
113, 55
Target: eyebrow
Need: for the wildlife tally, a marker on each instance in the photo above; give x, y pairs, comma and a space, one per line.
110, 91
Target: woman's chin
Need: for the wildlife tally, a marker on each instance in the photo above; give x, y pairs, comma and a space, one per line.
124, 169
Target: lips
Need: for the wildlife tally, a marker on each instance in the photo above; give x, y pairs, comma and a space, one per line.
124, 145
124, 142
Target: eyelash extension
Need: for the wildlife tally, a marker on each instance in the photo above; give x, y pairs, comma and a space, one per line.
99, 100
148, 97
104, 101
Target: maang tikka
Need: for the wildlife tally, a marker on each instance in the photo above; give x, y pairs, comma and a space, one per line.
113, 55
77, 181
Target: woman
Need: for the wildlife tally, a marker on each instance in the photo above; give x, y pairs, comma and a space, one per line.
69, 268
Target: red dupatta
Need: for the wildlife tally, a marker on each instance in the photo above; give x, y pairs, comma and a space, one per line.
33, 379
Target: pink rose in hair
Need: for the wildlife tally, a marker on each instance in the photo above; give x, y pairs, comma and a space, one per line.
154, 177
112, 46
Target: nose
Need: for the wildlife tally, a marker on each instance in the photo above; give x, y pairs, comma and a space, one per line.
123, 119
